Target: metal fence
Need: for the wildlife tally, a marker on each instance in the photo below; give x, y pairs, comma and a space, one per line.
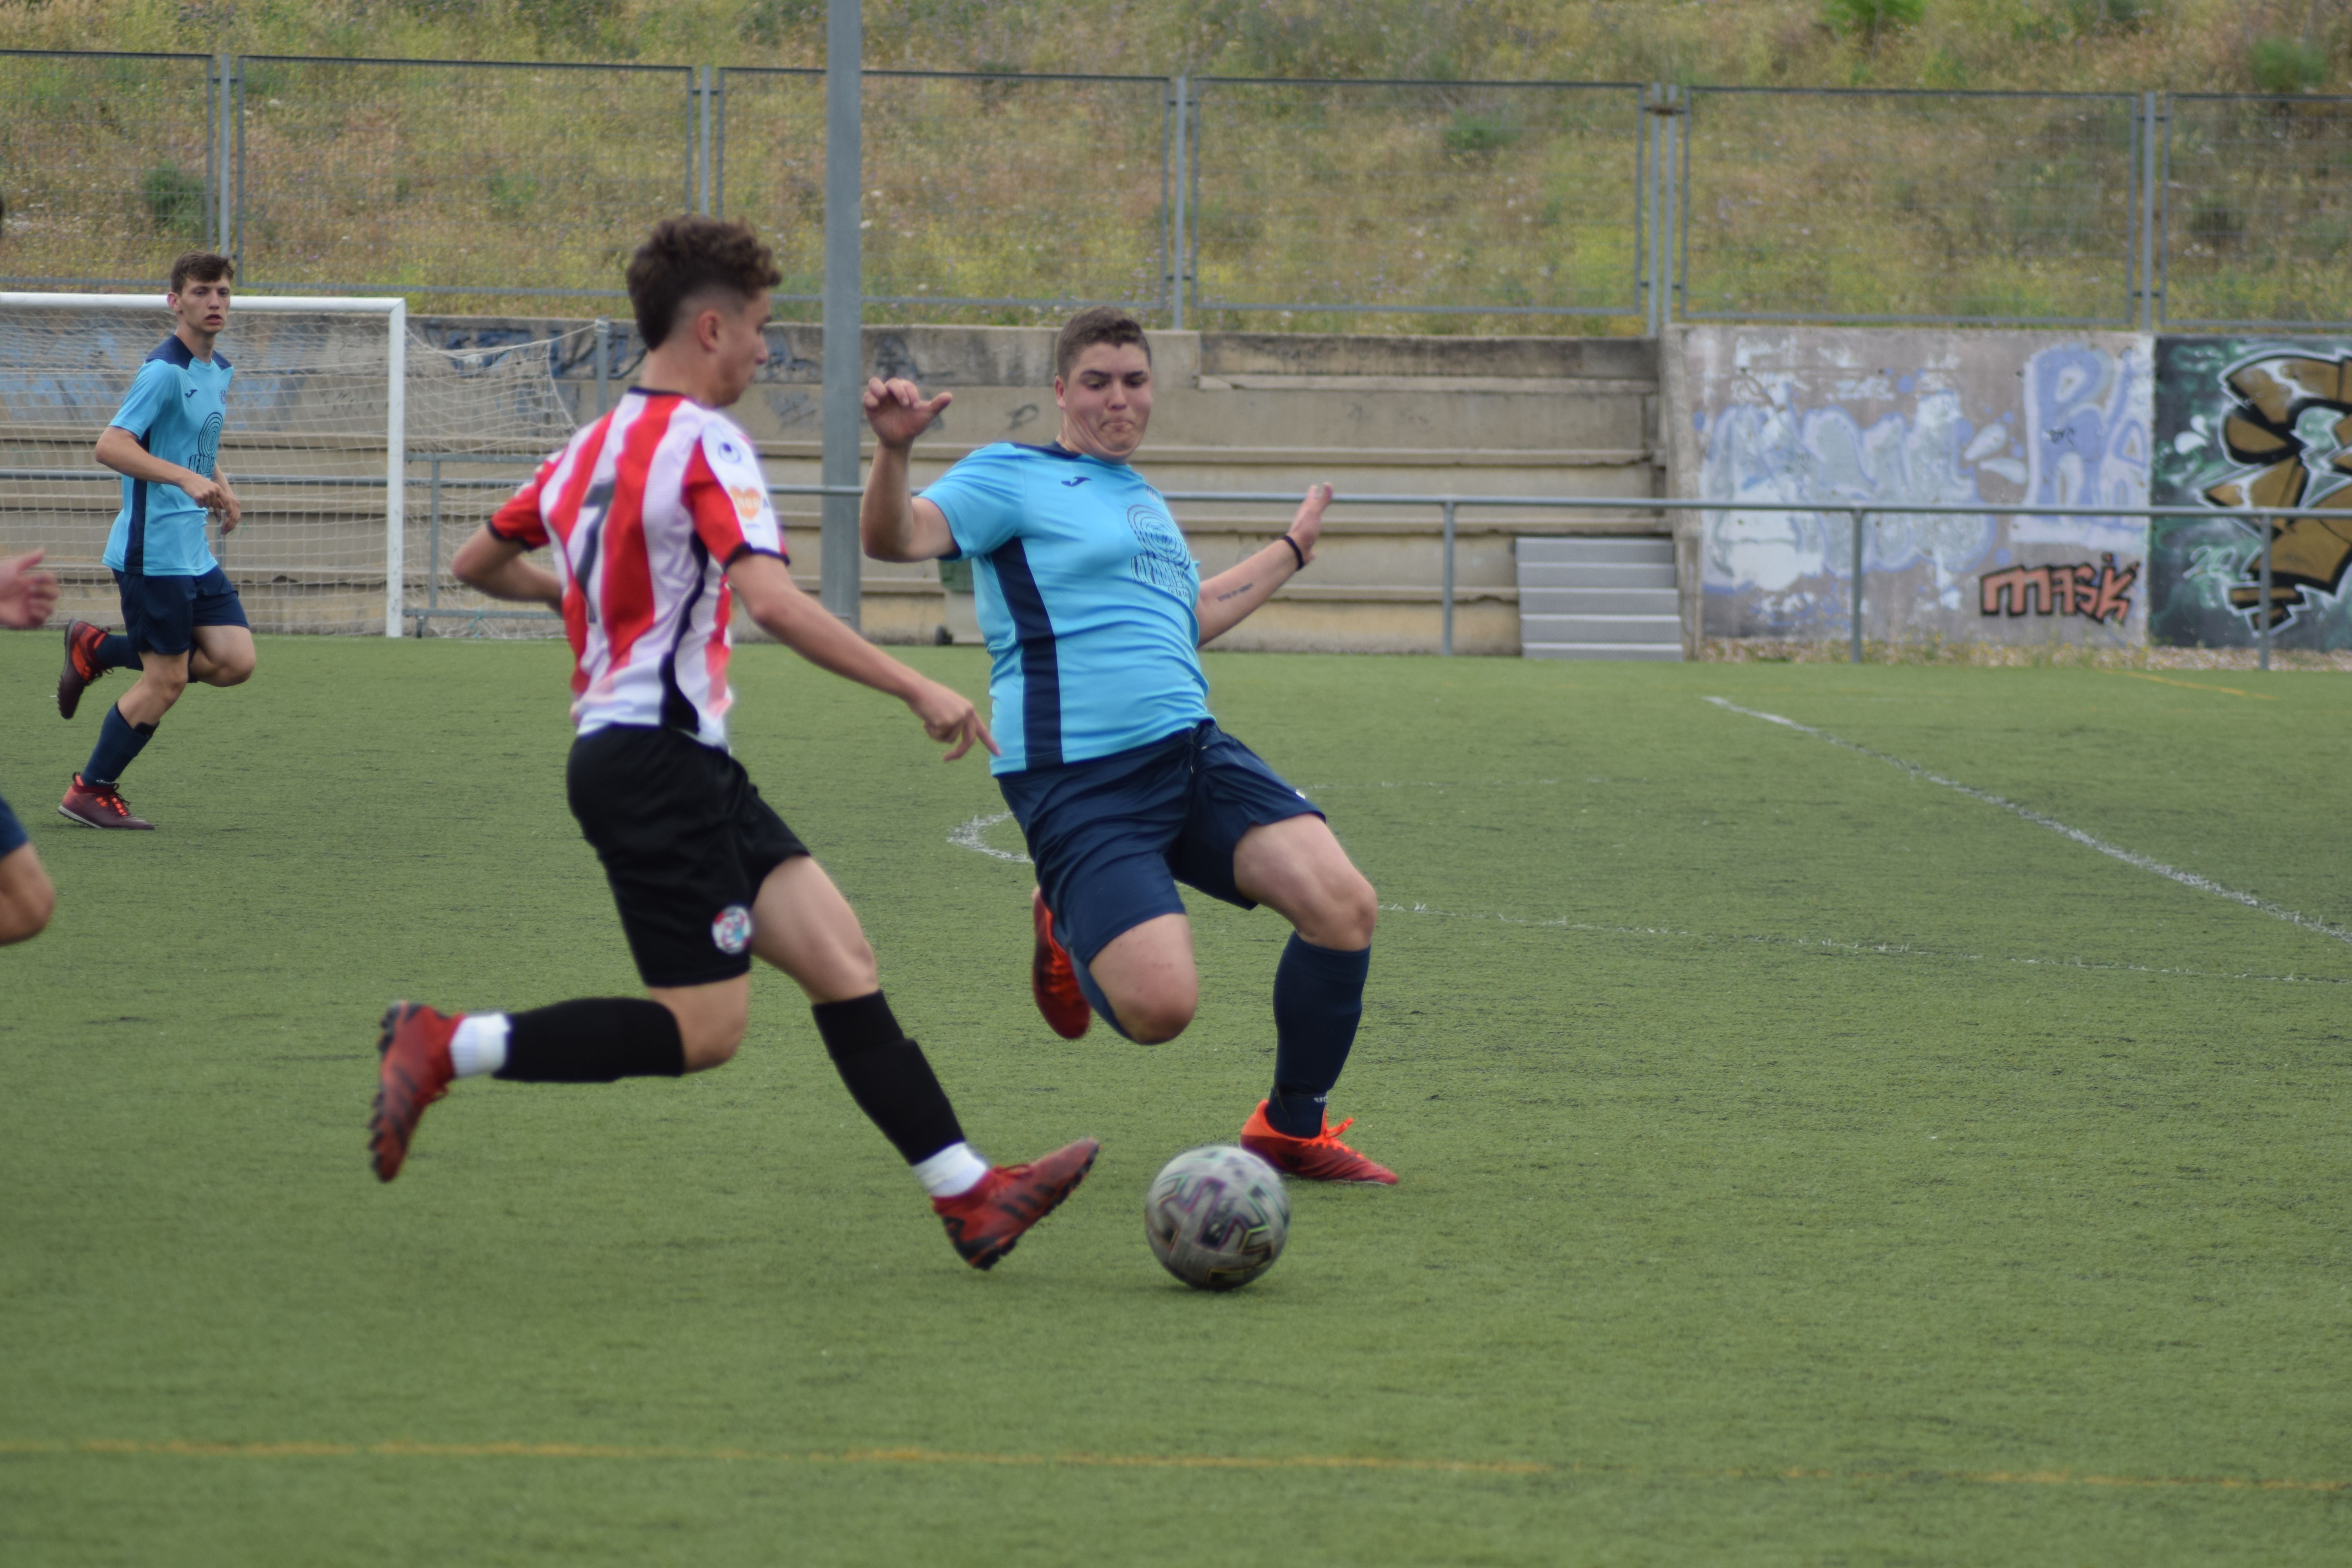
1200, 201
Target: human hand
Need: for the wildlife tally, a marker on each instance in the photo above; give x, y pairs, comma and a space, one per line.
1306, 523
949, 715
26, 597
898, 411
230, 509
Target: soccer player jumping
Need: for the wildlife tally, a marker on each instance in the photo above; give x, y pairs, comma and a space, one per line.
1094, 612
181, 620
659, 517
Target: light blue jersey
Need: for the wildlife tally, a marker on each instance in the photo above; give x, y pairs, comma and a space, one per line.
175, 409
1087, 595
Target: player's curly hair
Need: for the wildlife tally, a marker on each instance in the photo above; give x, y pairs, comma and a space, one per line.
201, 266
687, 256
1096, 324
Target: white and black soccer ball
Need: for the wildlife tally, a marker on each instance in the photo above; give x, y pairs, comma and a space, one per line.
1217, 1217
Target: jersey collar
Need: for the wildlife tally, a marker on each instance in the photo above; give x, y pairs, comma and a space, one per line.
172, 350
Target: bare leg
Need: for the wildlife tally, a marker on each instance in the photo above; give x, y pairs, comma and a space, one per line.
1296, 867
26, 897
223, 656
1147, 974
163, 677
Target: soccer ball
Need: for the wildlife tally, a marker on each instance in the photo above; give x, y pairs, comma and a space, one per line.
1216, 1217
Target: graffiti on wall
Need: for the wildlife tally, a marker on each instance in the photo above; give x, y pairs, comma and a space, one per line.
2100, 593
1874, 419
2243, 424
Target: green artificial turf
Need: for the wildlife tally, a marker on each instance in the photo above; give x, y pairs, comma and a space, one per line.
1802, 1162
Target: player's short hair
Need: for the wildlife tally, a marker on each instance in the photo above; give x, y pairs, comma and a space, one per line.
1097, 324
201, 266
687, 256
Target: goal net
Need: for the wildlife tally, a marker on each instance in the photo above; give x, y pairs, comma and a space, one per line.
363, 456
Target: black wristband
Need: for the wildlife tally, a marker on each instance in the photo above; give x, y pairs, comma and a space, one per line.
1286, 538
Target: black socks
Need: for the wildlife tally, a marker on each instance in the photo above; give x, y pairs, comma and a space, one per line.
1319, 999
887, 1076
594, 1041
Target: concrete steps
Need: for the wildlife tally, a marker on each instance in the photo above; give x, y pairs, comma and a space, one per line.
1599, 597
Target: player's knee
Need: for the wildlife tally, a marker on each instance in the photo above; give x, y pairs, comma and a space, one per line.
165, 688
26, 905
710, 1034
230, 672
1355, 911
1157, 1016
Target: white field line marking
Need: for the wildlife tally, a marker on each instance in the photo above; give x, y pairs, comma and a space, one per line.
2185, 879
1830, 944
968, 837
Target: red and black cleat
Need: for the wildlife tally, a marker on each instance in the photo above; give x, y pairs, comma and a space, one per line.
1053, 981
1322, 1158
99, 805
82, 643
412, 1071
985, 1222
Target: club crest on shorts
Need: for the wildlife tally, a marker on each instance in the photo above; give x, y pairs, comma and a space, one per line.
731, 932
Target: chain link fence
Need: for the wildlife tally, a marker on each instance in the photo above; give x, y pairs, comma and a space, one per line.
1208, 202
1869, 206
2256, 228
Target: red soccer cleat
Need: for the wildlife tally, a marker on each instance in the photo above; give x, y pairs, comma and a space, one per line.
82, 641
985, 1222
414, 1071
1053, 981
1322, 1158
98, 806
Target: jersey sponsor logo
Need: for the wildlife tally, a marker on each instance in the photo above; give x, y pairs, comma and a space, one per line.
730, 932
188, 391
748, 501
1162, 561
1073, 484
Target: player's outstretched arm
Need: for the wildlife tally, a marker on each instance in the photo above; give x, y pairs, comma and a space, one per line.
1228, 598
26, 597
769, 594
893, 524
119, 450
497, 567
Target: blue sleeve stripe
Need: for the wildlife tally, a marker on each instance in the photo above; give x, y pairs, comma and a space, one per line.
1041, 675
135, 554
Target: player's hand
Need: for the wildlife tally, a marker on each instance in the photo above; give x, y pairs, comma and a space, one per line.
206, 492
899, 411
230, 509
27, 596
1306, 523
949, 715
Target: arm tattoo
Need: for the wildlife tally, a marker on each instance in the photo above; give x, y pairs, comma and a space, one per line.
1235, 592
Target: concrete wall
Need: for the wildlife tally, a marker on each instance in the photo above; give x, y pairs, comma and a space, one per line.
1849, 417
1247, 412
2250, 422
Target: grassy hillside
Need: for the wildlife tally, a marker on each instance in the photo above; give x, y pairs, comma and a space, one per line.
2184, 45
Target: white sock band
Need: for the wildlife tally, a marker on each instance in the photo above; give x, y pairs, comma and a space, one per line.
952, 1172
479, 1045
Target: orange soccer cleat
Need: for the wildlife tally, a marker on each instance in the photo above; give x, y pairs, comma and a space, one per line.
412, 1071
1322, 1158
82, 643
1053, 980
99, 805
985, 1222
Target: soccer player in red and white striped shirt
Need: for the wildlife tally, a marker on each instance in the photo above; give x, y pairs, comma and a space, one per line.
657, 518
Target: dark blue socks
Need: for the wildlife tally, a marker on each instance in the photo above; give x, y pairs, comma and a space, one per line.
115, 653
119, 741
1319, 999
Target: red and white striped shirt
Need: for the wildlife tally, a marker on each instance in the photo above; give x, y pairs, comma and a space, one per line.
647, 508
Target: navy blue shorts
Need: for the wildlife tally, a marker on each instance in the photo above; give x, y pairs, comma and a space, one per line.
12, 832
160, 614
1113, 836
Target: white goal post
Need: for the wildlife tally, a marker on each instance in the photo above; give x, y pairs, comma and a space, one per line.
394, 314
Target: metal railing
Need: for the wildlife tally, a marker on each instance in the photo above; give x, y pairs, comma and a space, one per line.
1421, 205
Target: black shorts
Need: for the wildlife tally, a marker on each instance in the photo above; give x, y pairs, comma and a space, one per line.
686, 841
160, 614
1112, 837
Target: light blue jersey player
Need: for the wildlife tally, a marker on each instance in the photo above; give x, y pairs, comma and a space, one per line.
1095, 611
26, 898
182, 619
